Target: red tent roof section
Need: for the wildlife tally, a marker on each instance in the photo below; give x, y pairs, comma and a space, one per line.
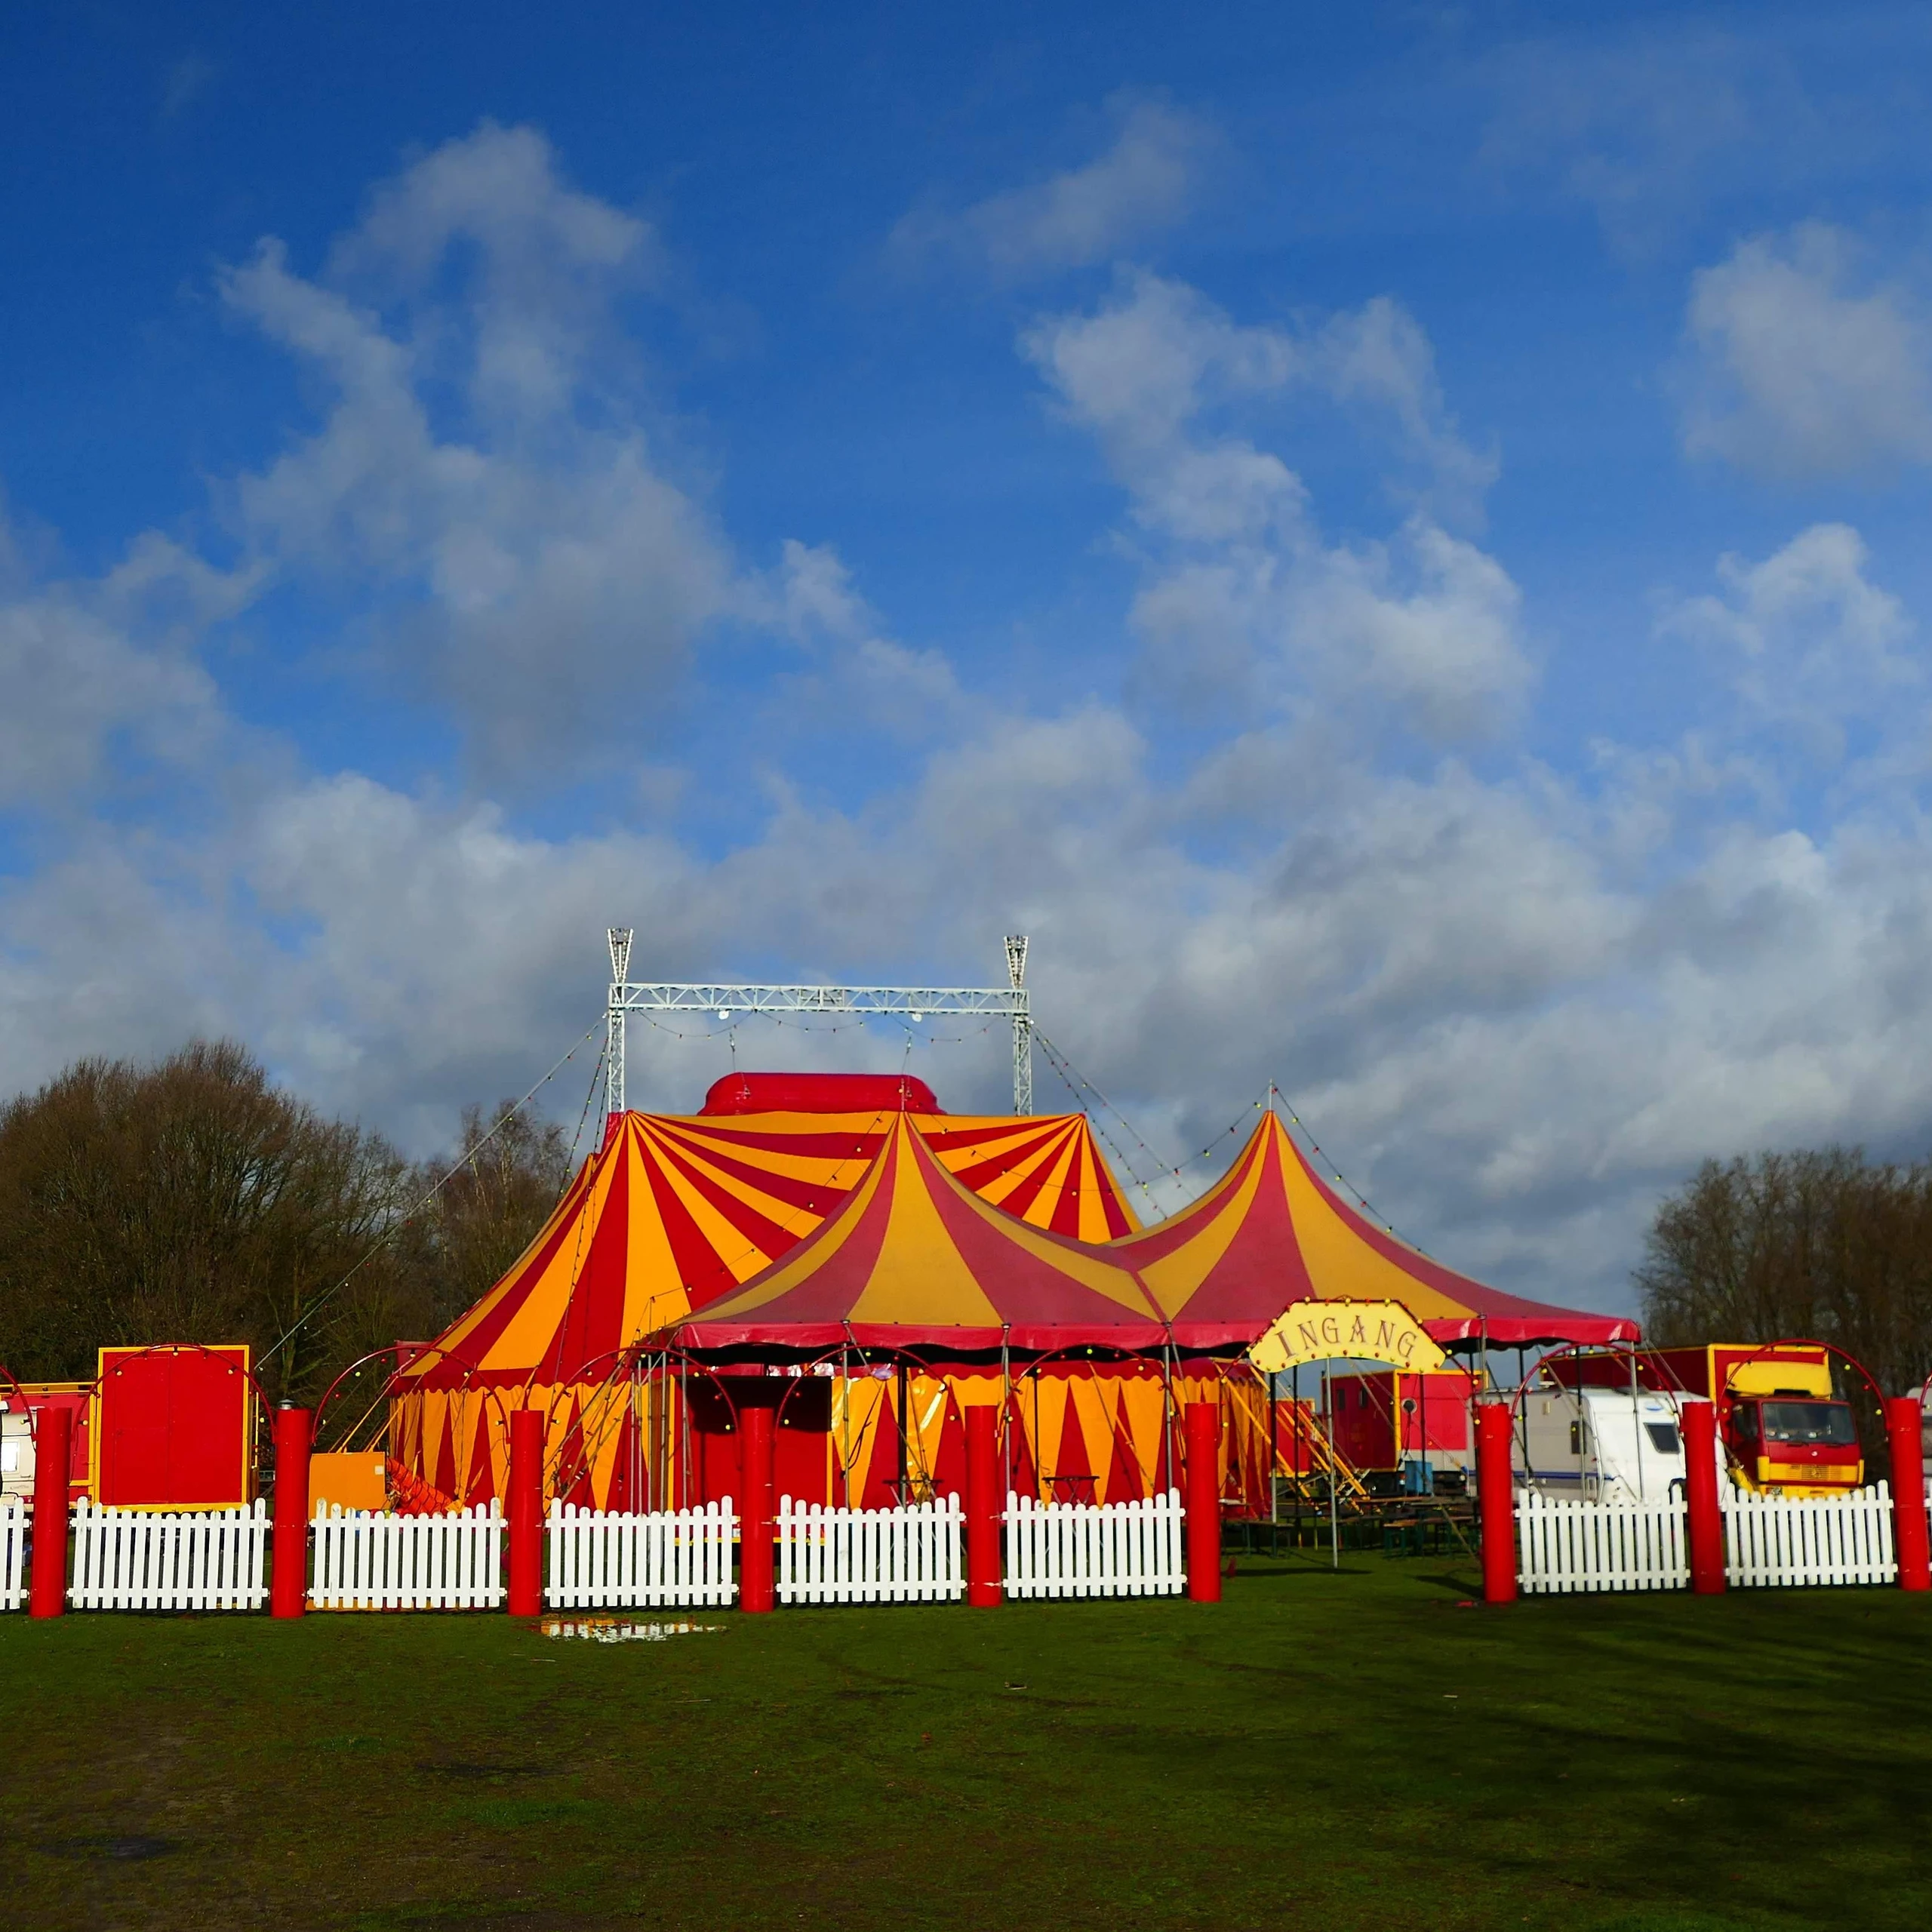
912, 1258
1272, 1232
818, 1093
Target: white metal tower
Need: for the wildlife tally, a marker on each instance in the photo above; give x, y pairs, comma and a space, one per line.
1022, 1025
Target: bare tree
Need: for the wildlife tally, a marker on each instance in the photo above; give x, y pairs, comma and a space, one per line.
190, 1200
1823, 1244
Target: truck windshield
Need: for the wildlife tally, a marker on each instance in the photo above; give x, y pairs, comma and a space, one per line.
1809, 1422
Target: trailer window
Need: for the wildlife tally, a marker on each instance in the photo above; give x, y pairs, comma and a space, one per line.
1809, 1422
1576, 1438
1663, 1438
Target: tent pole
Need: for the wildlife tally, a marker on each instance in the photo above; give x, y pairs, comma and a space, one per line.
1301, 1446
1334, 1459
905, 1396
1005, 1409
1273, 1451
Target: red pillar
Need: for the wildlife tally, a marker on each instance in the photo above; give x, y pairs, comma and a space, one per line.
985, 1506
288, 1575
756, 1527
53, 1451
528, 1428
1909, 1525
1204, 1502
1700, 1497
1496, 1494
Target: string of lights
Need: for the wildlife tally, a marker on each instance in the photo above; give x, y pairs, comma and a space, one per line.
395, 1227
1076, 1081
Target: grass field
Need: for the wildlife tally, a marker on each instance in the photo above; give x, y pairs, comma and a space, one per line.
1319, 1750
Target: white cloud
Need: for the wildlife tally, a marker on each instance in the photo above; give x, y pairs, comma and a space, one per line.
1243, 598
1144, 182
1803, 364
524, 548
87, 669
1805, 634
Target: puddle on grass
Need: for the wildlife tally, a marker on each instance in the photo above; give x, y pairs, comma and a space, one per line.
130, 1847
621, 1629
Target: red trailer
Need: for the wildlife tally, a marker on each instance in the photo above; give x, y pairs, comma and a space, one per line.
1388, 1419
20, 1404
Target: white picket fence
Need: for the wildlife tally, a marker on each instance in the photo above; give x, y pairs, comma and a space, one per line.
13, 1520
369, 1559
1565, 1544
911, 1555
168, 1559
603, 1560
1095, 1549
1780, 1541
1770, 1542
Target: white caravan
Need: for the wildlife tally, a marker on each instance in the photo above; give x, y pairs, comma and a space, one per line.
16, 1455
1602, 1445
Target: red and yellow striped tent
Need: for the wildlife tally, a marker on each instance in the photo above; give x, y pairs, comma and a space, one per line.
913, 1260
671, 1213
1271, 1232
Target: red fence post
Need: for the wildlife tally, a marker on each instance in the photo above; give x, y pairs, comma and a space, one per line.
1910, 1541
1700, 1497
288, 1576
1496, 1495
53, 1451
985, 1506
528, 1428
755, 1528
1204, 1502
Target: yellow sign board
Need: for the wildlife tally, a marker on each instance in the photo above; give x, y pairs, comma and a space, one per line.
1345, 1331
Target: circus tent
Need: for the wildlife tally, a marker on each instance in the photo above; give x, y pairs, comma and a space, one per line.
676, 1211
1272, 1232
672, 1213
890, 1246
934, 1300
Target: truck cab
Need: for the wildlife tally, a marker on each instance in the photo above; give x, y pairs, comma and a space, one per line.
1794, 1442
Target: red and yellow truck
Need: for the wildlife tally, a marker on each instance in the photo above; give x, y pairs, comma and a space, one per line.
1785, 1429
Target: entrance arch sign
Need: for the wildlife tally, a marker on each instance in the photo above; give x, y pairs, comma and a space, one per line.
1345, 1331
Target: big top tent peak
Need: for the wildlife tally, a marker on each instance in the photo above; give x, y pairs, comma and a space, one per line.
1271, 1232
913, 1258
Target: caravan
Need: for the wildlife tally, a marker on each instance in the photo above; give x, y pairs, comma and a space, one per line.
1601, 1445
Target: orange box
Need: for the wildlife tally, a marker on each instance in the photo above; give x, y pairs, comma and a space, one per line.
350, 1479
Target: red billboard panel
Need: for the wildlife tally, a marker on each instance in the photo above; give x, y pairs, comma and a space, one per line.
175, 1428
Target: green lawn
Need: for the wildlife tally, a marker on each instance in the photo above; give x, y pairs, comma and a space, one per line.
1319, 1750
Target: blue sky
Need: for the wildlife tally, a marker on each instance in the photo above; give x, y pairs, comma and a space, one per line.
1388, 539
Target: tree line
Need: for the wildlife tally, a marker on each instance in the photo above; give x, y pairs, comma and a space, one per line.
1825, 1244
193, 1200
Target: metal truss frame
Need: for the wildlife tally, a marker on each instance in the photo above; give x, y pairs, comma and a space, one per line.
722, 999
